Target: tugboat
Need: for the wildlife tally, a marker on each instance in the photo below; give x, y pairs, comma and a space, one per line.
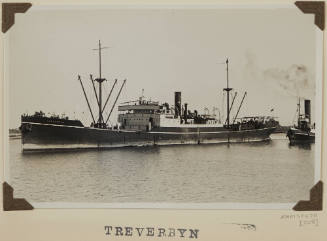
141, 122
302, 131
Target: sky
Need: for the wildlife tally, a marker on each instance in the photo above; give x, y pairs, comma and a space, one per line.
271, 56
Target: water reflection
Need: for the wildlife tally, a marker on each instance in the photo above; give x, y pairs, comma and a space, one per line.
304, 146
271, 171
136, 149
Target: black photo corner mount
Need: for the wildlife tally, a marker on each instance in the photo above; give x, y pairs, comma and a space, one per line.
315, 202
8, 13
314, 7
13, 204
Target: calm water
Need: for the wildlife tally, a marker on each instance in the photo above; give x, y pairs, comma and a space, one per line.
258, 172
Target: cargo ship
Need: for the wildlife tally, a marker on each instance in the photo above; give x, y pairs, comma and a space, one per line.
141, 122
303, 131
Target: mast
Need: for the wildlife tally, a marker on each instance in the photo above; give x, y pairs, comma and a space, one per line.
95, 92
231, 106
227, 90
100, 80
299, 112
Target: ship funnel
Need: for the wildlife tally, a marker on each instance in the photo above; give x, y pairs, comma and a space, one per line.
185, 113
178, 104
307, 110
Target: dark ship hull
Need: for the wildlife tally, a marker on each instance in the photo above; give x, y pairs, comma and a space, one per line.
302, 133
40, 136
297, 136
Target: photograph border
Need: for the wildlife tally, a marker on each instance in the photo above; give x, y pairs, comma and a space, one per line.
316, 193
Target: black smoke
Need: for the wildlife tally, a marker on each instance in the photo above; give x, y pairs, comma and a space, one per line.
296, 80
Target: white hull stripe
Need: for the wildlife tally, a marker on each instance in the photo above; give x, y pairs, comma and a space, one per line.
303, 134
207, 132
152, 132
77, 127
35, 147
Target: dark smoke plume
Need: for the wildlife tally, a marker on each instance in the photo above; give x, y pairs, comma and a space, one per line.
295, 81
